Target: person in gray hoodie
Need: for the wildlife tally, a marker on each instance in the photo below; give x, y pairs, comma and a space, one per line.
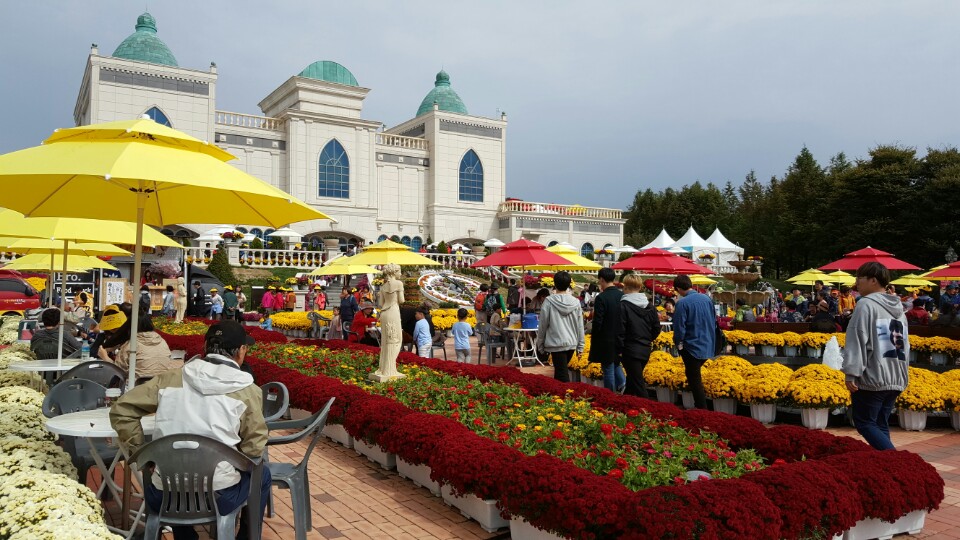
561, 326
639, 326
874, 358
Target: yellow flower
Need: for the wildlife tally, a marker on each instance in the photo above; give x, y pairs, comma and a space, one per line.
924, 391
817, 386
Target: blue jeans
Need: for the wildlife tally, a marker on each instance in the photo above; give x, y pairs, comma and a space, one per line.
871, 411
613, 378
228, 499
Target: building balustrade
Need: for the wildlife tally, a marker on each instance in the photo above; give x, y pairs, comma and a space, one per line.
399, 141
226, 118
559, 209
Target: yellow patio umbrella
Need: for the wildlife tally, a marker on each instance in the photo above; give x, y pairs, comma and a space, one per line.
699, 279
932, 270
570, 253
841, 278
811, 275
344, 269
386, 252
41, 261
140, 171
912, 280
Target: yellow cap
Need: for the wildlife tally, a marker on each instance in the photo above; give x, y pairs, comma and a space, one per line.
112, 318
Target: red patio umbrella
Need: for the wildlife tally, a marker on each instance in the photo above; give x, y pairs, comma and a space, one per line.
853, 260
522, 252
950, 272
662, 262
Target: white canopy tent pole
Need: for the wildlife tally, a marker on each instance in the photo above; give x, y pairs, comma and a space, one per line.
63, 301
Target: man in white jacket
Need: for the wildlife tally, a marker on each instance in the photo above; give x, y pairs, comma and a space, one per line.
875, 355
561, 326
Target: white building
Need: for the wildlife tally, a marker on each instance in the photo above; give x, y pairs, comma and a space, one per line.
440, 175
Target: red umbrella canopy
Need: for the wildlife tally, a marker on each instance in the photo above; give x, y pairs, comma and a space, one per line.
952, 271
853, 260
659, 261
522, 252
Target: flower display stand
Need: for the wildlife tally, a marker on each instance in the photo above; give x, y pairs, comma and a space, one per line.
336, 433
484, 512
938, 359
912, 420
814, 418
911, 523
741, 350
814, 352
768, 350
418, 474
375, 454
687, 399
725, 405
521, 530
790, 351
666, 395
765, 413
955, 420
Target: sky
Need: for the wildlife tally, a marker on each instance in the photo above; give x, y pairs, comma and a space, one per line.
603, 98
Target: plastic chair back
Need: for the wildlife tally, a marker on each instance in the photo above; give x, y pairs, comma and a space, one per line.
73, 395
276, 400
107, 374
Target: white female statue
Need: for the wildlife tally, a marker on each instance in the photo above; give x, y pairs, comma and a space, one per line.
391, 296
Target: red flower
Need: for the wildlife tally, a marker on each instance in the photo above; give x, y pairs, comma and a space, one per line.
615, 473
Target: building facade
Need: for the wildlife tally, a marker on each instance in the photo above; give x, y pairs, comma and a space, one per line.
439, 176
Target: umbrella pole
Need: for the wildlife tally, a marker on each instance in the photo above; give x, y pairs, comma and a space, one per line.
51, 283
63, 301
135, 312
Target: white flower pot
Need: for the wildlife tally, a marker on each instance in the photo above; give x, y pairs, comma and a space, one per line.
768, 350
521, 530
911, 523
741, 350
765, 413
813, 352
484, 512
814, 418
725, 405
598, 383
912, 420
955, 420
666, 395
419, 474
687, 399
790, 351
938, 359
251, 323
375, 454
914, 356
336, 433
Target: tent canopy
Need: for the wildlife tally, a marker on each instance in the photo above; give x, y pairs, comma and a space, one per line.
720, 242
662, 241
694, 242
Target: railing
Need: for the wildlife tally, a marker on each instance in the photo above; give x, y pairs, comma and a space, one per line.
399, 141
560, 209
259, 258
453, 261
226, 118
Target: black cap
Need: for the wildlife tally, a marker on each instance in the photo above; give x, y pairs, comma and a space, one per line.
231, 334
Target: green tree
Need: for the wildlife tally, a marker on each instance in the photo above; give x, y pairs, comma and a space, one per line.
220, 268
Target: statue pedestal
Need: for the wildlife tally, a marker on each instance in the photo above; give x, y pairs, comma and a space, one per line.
376, 377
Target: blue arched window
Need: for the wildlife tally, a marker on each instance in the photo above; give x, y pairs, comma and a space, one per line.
266, 235
586, 250
471, 178
395, 238
381, 238
157, 116
257, 232
334, 170
552, 243
405, 241
416, 243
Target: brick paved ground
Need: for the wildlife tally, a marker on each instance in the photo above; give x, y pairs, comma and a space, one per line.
353, 498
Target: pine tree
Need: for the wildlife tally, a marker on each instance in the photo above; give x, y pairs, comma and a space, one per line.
221, 269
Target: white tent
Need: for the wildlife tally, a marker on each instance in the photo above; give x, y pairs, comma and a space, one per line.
726, 250
662, 241
696, 245
493, 243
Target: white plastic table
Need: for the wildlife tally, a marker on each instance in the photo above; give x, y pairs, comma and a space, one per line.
44, 365
522, 349
95, 424
666, 326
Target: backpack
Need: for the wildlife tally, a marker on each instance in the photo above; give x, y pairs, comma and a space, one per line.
491, 303
478, 301
513, 296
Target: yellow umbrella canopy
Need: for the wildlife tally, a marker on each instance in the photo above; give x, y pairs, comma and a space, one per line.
344, 269
912, 280
699, 279
45, 246
14, 224
811, 275
570, 253
841, 278
74, 263
387, 252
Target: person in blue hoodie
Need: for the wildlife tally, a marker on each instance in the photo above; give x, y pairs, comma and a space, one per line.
875, 355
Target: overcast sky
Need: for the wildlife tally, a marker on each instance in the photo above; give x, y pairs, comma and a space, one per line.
603, 98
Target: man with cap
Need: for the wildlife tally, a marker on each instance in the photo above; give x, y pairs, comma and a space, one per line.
210, 396
230, 302
361, 321
951, 296
199, 299
348, 309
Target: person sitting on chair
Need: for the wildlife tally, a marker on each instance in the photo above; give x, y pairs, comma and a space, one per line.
211, 396
44, 341
361, 321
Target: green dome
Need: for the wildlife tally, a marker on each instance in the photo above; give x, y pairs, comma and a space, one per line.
144, 45
325, 70
445, 97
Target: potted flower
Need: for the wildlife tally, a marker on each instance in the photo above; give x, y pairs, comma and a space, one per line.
923, 394
740, 339
815, 342
792, 342
707, 258
767, 343
816, 389
232, 236
951, 396
764, 386
665, 373
722, 378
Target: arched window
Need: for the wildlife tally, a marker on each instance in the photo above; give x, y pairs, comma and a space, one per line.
334, 170
405, 241
416, 243
243, 230
552, 243
266, 234
257, 232
381, 238
157, 116
586, 250
166, 232
395, 238
471, 177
